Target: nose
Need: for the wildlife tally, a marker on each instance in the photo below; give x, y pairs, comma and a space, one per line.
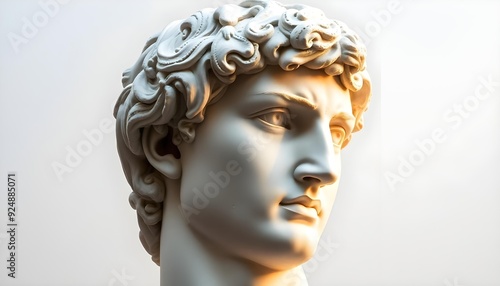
319, 163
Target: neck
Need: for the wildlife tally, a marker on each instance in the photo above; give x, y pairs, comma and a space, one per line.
188, 259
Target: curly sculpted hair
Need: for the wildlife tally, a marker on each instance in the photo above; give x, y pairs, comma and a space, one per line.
192, 62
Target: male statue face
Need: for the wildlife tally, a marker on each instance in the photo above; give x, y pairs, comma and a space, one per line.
229, 129
260, 178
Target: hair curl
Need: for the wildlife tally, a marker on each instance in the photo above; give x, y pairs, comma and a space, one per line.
191, 62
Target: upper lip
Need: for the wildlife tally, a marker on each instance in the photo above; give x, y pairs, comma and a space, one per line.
305, 201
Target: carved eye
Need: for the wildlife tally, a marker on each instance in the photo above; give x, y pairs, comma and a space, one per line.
338, 135
276, 117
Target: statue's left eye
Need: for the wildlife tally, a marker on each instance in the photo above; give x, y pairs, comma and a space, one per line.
277, 117
338, 135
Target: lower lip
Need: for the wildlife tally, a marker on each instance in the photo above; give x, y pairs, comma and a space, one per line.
300, 213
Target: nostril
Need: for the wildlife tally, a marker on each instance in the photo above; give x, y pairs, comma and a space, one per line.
315, 174
310, 179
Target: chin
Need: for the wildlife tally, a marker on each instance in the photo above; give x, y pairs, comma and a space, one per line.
293, 251
287, 261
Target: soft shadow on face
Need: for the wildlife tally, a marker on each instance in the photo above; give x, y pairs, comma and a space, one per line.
263, 170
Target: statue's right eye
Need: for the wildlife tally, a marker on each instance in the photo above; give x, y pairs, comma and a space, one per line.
276, 117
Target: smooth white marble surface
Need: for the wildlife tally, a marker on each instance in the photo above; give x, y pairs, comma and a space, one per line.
427, 61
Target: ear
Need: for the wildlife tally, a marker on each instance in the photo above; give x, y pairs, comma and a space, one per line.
156, 148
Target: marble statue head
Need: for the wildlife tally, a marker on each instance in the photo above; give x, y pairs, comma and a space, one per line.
233, 120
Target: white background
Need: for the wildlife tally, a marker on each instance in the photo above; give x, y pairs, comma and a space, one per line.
440, 225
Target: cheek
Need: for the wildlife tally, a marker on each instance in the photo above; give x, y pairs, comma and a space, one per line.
223, 168
261, 154
328, 195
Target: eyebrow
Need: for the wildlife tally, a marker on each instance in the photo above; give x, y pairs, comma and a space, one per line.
291, 97
344, 116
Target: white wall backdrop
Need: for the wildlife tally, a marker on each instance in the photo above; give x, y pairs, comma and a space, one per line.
419, 201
